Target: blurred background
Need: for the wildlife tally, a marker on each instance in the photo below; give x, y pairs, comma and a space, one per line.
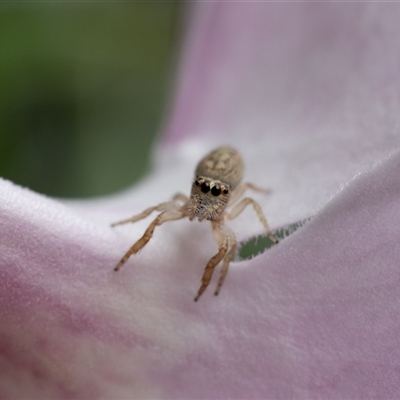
84, 89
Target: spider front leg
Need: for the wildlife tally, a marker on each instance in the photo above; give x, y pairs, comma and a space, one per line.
168, 205
228, 258
165, 216
224, 236
242, 205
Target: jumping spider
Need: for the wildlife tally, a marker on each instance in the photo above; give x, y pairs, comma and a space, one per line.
216, 187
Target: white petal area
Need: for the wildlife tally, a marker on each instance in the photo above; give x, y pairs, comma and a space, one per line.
284, 70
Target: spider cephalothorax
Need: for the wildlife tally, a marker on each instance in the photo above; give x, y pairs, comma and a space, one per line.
208, 198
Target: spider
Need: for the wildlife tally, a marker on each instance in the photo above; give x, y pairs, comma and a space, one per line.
215, 188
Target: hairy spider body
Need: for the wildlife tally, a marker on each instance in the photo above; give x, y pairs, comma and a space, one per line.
216, 187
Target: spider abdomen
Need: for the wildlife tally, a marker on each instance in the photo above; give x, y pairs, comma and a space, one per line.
224, 164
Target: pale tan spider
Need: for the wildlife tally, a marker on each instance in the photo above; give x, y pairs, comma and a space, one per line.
216, 187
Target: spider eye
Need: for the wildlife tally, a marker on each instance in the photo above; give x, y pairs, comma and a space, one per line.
205, 187
196, 182
216, 191
225, 191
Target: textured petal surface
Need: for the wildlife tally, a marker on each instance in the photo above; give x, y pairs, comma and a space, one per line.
309, 94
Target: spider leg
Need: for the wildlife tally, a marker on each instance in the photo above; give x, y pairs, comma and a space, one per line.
168, 205
239, 207
239, 191
180, 197
223, 244
228, 258
165, 216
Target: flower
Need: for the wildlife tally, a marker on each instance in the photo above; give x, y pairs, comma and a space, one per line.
309, 94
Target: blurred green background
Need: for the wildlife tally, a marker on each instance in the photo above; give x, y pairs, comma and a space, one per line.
83, 92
